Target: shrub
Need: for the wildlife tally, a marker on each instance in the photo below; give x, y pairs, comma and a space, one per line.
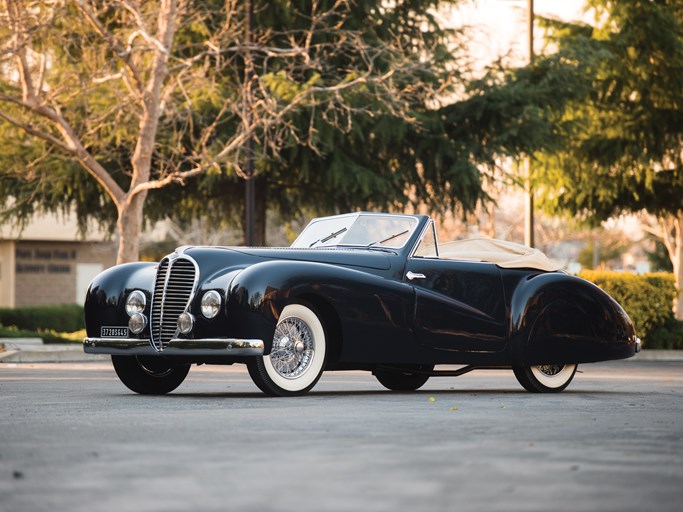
667, 337
48, 336
648, 299
65, 318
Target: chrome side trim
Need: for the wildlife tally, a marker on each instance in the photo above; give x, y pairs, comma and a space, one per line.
177, 347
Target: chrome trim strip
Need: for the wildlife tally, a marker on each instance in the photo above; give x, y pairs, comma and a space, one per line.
152, 317
177, 347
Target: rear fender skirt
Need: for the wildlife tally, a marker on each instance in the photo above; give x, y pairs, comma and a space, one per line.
556, 318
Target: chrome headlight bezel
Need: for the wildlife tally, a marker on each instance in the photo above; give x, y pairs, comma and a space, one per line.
185, 323
211, 304
135, 302
137, 323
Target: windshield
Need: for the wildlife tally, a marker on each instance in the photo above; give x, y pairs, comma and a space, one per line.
390, 231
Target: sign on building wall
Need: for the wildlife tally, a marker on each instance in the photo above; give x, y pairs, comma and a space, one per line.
45, 261
47, 273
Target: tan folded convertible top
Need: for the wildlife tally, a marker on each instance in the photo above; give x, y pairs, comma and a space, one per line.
502, 253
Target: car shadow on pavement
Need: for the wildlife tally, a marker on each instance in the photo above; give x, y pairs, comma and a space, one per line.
379, 393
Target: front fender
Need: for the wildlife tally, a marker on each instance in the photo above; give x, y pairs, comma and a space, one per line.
106, 295
557, 318
368, 306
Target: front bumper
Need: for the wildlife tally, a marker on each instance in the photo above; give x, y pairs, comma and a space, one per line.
176, 347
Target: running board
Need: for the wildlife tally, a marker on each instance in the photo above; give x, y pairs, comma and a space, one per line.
441, 373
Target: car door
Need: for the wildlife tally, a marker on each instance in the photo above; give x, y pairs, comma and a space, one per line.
459, 305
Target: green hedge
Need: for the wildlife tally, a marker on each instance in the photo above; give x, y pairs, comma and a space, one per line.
48, 336
667, 337
66, 318
648, 299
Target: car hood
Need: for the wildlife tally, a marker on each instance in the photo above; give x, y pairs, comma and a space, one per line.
242, 257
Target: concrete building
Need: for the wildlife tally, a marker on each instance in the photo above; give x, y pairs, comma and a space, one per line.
48, 263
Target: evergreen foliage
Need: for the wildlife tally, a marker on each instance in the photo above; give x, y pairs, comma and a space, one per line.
616, 141
367, 156
354, 142
623, 142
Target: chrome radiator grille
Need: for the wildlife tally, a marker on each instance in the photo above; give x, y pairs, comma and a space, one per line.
173, 289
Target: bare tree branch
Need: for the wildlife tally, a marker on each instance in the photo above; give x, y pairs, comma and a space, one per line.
28, 128
116, 47
321, 66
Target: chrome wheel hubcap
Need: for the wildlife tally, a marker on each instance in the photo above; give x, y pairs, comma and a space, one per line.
293, 348
550, 370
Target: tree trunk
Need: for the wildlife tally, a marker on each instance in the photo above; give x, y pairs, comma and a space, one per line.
671, 233
677, 261
260, 212
129, 225
130, 208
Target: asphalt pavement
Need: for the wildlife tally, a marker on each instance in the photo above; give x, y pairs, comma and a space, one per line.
72, 437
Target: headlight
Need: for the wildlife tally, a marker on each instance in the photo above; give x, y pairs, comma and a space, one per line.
137, 323
135, 303
211, 304
185, 323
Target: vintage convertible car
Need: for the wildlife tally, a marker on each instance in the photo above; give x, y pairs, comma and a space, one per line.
362, 291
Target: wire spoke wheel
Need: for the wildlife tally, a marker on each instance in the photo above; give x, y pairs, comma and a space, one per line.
545, 378
297, 356
293, 348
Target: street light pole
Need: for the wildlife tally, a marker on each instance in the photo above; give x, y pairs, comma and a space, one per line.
529, 238
250, 186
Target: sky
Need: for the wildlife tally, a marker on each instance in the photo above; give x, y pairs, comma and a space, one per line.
500, 26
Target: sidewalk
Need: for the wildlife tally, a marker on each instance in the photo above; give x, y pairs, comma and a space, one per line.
31, 350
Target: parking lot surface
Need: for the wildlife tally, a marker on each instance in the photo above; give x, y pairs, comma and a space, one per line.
72, 437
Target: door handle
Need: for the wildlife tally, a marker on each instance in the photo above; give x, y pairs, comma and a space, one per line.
412, 275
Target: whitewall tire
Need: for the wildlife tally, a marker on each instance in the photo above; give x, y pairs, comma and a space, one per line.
297, 358
545, 378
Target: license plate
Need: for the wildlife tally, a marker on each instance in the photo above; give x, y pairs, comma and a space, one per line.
114, 332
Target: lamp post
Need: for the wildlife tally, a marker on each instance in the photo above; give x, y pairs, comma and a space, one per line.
529, 238
249, 186
528, 189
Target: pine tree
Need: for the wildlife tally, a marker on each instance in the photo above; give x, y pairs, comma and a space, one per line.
622, 137
128, 110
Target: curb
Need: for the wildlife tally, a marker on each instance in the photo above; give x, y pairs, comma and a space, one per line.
11, 352
657, 355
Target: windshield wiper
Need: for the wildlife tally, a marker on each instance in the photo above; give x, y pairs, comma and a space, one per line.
328, 237
387, 239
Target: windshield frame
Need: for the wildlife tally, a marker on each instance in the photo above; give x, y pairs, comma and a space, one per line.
343, 225
429, 226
